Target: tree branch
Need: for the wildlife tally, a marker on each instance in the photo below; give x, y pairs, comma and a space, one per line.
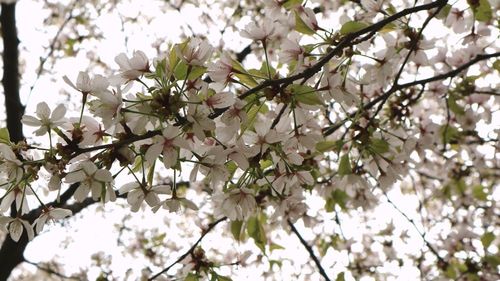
203, 233
397, 87
52, 45
51, 271
10, 80
347, 41
309, 250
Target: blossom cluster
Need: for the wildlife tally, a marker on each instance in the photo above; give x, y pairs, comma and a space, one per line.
316, 119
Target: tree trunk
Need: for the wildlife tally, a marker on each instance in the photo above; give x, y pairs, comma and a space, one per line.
11, 253
10, 80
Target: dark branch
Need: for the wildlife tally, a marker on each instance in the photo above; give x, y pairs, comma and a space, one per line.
51, 271
344, 43
309, 250
10, 80
204, 232
397, 87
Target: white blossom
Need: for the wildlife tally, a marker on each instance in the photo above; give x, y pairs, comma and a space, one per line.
45, 120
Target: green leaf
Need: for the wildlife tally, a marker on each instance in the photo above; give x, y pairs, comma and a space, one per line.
196, 72
252, 115
242, 75
275, 262
324, 146
191, 277
487, 239
236, 229
340, 277
265, 164
231, 167
449, 134
496, 65
305, 94
443, 14
481, 9
454, 107
301, 26
379, 146
338, 197
389, 27
345, 165
256, 231
4, 136
291, 3
493, 260
151, 174
478, 193
352, 26
275, 246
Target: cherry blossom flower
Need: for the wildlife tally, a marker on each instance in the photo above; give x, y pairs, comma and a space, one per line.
54, 214
263, 136
85, 85
45, 120
291, 207
91, 179
338, 92
136, 194
195, 52
308, 17
220, 100
198, 117
459, 20
212, 165
130, 68
17, 195
222, 70
237, 204
15, 227
291, 49
10, 165
264, 31
108, 106
166, 144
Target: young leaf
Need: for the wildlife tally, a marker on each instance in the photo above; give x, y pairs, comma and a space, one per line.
301, 26
324, 146
305, 94
344, 165
487, 239
379, 146
288, 4
256, 231
481, 9
236, 229
352, 26
479, 194
4, 136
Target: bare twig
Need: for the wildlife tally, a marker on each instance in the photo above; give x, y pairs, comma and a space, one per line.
52, 45
190, 250
51, 271
309, 250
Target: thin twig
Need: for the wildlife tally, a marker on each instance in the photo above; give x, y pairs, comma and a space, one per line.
51, 271
193, 247
422, 234
309, 250
52, 45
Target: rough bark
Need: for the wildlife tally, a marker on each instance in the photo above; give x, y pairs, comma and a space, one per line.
11, 253
10, 80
